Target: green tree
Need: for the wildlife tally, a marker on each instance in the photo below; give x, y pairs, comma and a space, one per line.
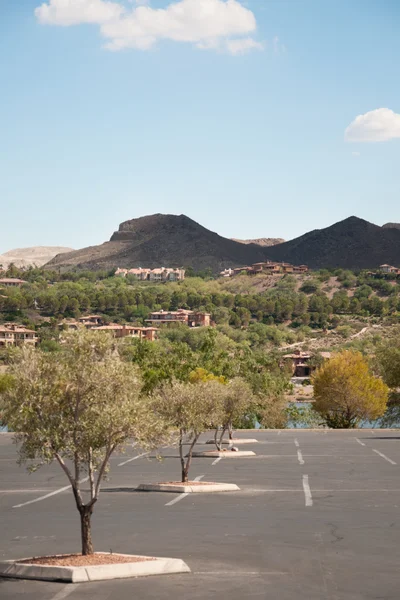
346, 392
237, 402
77, 407
189, 409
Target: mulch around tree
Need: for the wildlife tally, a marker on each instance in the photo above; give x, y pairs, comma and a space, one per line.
78, 560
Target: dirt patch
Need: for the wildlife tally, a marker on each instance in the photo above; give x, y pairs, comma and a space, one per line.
78, 560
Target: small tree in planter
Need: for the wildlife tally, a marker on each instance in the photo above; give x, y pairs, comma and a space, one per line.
77, 407
190, 409
236, 400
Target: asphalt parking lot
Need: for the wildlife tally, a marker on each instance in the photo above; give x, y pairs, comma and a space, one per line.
316, 519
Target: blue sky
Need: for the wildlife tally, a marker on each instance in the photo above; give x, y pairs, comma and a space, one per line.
234, 117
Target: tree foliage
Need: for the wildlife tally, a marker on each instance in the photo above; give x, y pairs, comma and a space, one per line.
346, 392
77, 407
189, 409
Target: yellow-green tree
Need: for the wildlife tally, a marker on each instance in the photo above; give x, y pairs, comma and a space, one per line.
346, 392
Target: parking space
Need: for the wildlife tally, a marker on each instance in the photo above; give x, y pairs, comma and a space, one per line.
316, 518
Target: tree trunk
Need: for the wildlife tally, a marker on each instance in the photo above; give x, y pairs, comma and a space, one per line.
186, 467
216, 442
230, 429
221, 438
86, 530
184, 473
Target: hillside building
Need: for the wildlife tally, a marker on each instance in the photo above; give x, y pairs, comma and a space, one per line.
301, 362
133, 331
156, 275
188, 317
268, 267
11, 282
12, 334
389, 269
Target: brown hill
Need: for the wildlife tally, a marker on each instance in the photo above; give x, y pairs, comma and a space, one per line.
352, 243
161, 240
391, 226
174, 241
261, 241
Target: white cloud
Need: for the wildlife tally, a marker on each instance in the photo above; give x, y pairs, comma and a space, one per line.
277, 46
377, 125
75, 12
355, 154
243, 45
209, 24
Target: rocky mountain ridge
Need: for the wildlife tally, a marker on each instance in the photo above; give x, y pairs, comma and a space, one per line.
176, 241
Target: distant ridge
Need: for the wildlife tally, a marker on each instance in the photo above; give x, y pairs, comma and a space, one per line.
176, 241
29, 257
391, 226
261, 241
352, 244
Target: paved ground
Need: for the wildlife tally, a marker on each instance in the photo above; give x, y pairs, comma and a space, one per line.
316, 519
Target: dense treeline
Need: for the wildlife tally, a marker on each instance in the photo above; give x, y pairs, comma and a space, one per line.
236, 303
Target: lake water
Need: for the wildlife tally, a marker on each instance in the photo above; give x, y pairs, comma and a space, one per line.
363, 425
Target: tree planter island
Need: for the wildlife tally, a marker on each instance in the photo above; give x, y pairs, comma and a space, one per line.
224, 454
76, 568
189, 409
77, 407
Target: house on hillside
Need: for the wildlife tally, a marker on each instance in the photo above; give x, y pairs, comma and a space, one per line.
90, 321
226, 273
133, 331
156, 275
12, 334
189, 317
11, 282
389, 269
267, 267
302, 362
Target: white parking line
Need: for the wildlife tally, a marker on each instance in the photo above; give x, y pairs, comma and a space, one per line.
359, 441
216, 461
385, 457
296, 443
133, 458
59, 491
65, 591
182, 496
300, 457
307, 491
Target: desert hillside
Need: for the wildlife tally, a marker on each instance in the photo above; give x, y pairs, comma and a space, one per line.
34, 256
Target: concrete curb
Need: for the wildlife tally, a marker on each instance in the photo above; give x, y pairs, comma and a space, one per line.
227, 454
236, 441
189, 489
158, 566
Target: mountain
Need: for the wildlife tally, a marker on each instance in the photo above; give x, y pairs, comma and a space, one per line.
35, 256
162, 240
261, 241
352, 243
174, 241
391, 226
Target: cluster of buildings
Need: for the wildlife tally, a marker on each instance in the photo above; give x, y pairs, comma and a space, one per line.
96, 323
268, 267
159, 274
389, 269
189, 317
12, 334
